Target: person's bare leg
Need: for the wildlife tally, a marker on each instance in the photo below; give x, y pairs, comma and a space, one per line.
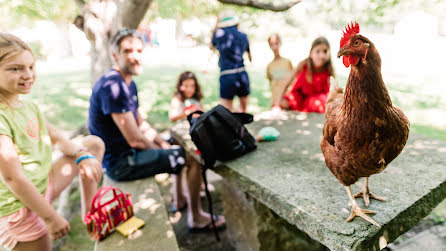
196, 217
284, 104
193, 178
64, 170
88, 184
41, 244
179, 200
226, 103
243, 103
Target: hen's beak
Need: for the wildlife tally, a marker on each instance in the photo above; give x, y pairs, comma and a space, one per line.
342, 52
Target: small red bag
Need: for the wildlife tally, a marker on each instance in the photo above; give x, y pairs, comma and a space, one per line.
104, 218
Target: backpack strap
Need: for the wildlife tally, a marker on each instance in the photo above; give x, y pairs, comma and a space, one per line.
189, 117
245, 118
209, 198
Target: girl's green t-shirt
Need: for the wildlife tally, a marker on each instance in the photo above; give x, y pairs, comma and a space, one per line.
26, 127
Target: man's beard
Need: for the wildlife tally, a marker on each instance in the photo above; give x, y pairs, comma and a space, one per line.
130, 70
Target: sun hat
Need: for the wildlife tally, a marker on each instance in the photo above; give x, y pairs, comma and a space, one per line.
228, 19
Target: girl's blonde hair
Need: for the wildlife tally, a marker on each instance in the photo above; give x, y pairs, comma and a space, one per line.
309, 63
10, 46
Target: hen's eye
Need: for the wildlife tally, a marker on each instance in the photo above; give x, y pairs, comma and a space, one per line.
356, 42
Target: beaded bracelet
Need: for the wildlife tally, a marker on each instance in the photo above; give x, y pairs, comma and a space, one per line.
84, 157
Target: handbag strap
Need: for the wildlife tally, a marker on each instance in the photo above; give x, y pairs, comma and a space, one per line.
115, 194
100, 194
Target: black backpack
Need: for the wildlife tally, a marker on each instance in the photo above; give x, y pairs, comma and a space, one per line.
220, 135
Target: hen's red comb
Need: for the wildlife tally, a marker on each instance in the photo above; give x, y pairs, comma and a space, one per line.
350, 30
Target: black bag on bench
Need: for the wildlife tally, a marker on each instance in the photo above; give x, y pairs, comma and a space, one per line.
220, 135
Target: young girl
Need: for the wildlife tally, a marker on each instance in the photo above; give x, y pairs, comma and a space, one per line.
277, 70
29, 180
187, 97
311, 88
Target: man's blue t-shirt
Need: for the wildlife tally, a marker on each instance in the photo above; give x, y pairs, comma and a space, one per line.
111, 94
231, 43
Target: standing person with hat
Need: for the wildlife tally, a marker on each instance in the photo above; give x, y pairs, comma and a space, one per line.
231, 45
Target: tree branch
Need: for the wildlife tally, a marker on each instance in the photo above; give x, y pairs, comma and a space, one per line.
132, 12
263, 6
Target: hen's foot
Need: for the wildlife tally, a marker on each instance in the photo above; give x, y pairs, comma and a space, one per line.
357, 211
366, 194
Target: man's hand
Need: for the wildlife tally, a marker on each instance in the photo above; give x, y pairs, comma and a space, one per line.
90, 168
57, 226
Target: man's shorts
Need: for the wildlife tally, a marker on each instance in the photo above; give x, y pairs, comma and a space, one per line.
140, 164
23, 225
236, 84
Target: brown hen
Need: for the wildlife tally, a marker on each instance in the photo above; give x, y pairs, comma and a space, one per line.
363, 131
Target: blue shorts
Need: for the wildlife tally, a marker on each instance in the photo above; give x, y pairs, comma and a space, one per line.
236, 84
140, 164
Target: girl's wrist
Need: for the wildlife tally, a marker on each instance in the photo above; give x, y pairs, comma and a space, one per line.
80, 151
50, 215
83, 157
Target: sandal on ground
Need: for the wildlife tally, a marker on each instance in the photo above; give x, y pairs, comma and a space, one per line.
208, 227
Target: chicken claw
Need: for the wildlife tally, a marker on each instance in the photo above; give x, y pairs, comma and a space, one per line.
357, 211
366, 194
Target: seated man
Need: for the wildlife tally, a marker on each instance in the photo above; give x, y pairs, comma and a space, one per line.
134, 150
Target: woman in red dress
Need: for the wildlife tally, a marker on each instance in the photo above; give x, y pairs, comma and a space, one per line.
312, 85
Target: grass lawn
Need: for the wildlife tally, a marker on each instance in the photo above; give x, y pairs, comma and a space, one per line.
64, 97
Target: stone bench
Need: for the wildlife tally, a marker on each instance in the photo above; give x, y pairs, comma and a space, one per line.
157, 233
283, 197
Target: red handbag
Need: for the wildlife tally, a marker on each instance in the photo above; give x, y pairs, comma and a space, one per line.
104, 218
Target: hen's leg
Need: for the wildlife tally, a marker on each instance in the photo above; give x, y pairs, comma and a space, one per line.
357, 211
365, 193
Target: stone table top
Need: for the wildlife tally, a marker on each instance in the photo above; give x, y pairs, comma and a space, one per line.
290, 177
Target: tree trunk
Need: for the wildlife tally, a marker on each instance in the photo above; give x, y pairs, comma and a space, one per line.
102, 18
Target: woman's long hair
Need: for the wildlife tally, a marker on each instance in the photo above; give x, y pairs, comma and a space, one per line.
185, 76
10, 46
309, 63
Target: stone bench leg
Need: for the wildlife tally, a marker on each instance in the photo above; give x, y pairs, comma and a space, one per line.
253, 226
